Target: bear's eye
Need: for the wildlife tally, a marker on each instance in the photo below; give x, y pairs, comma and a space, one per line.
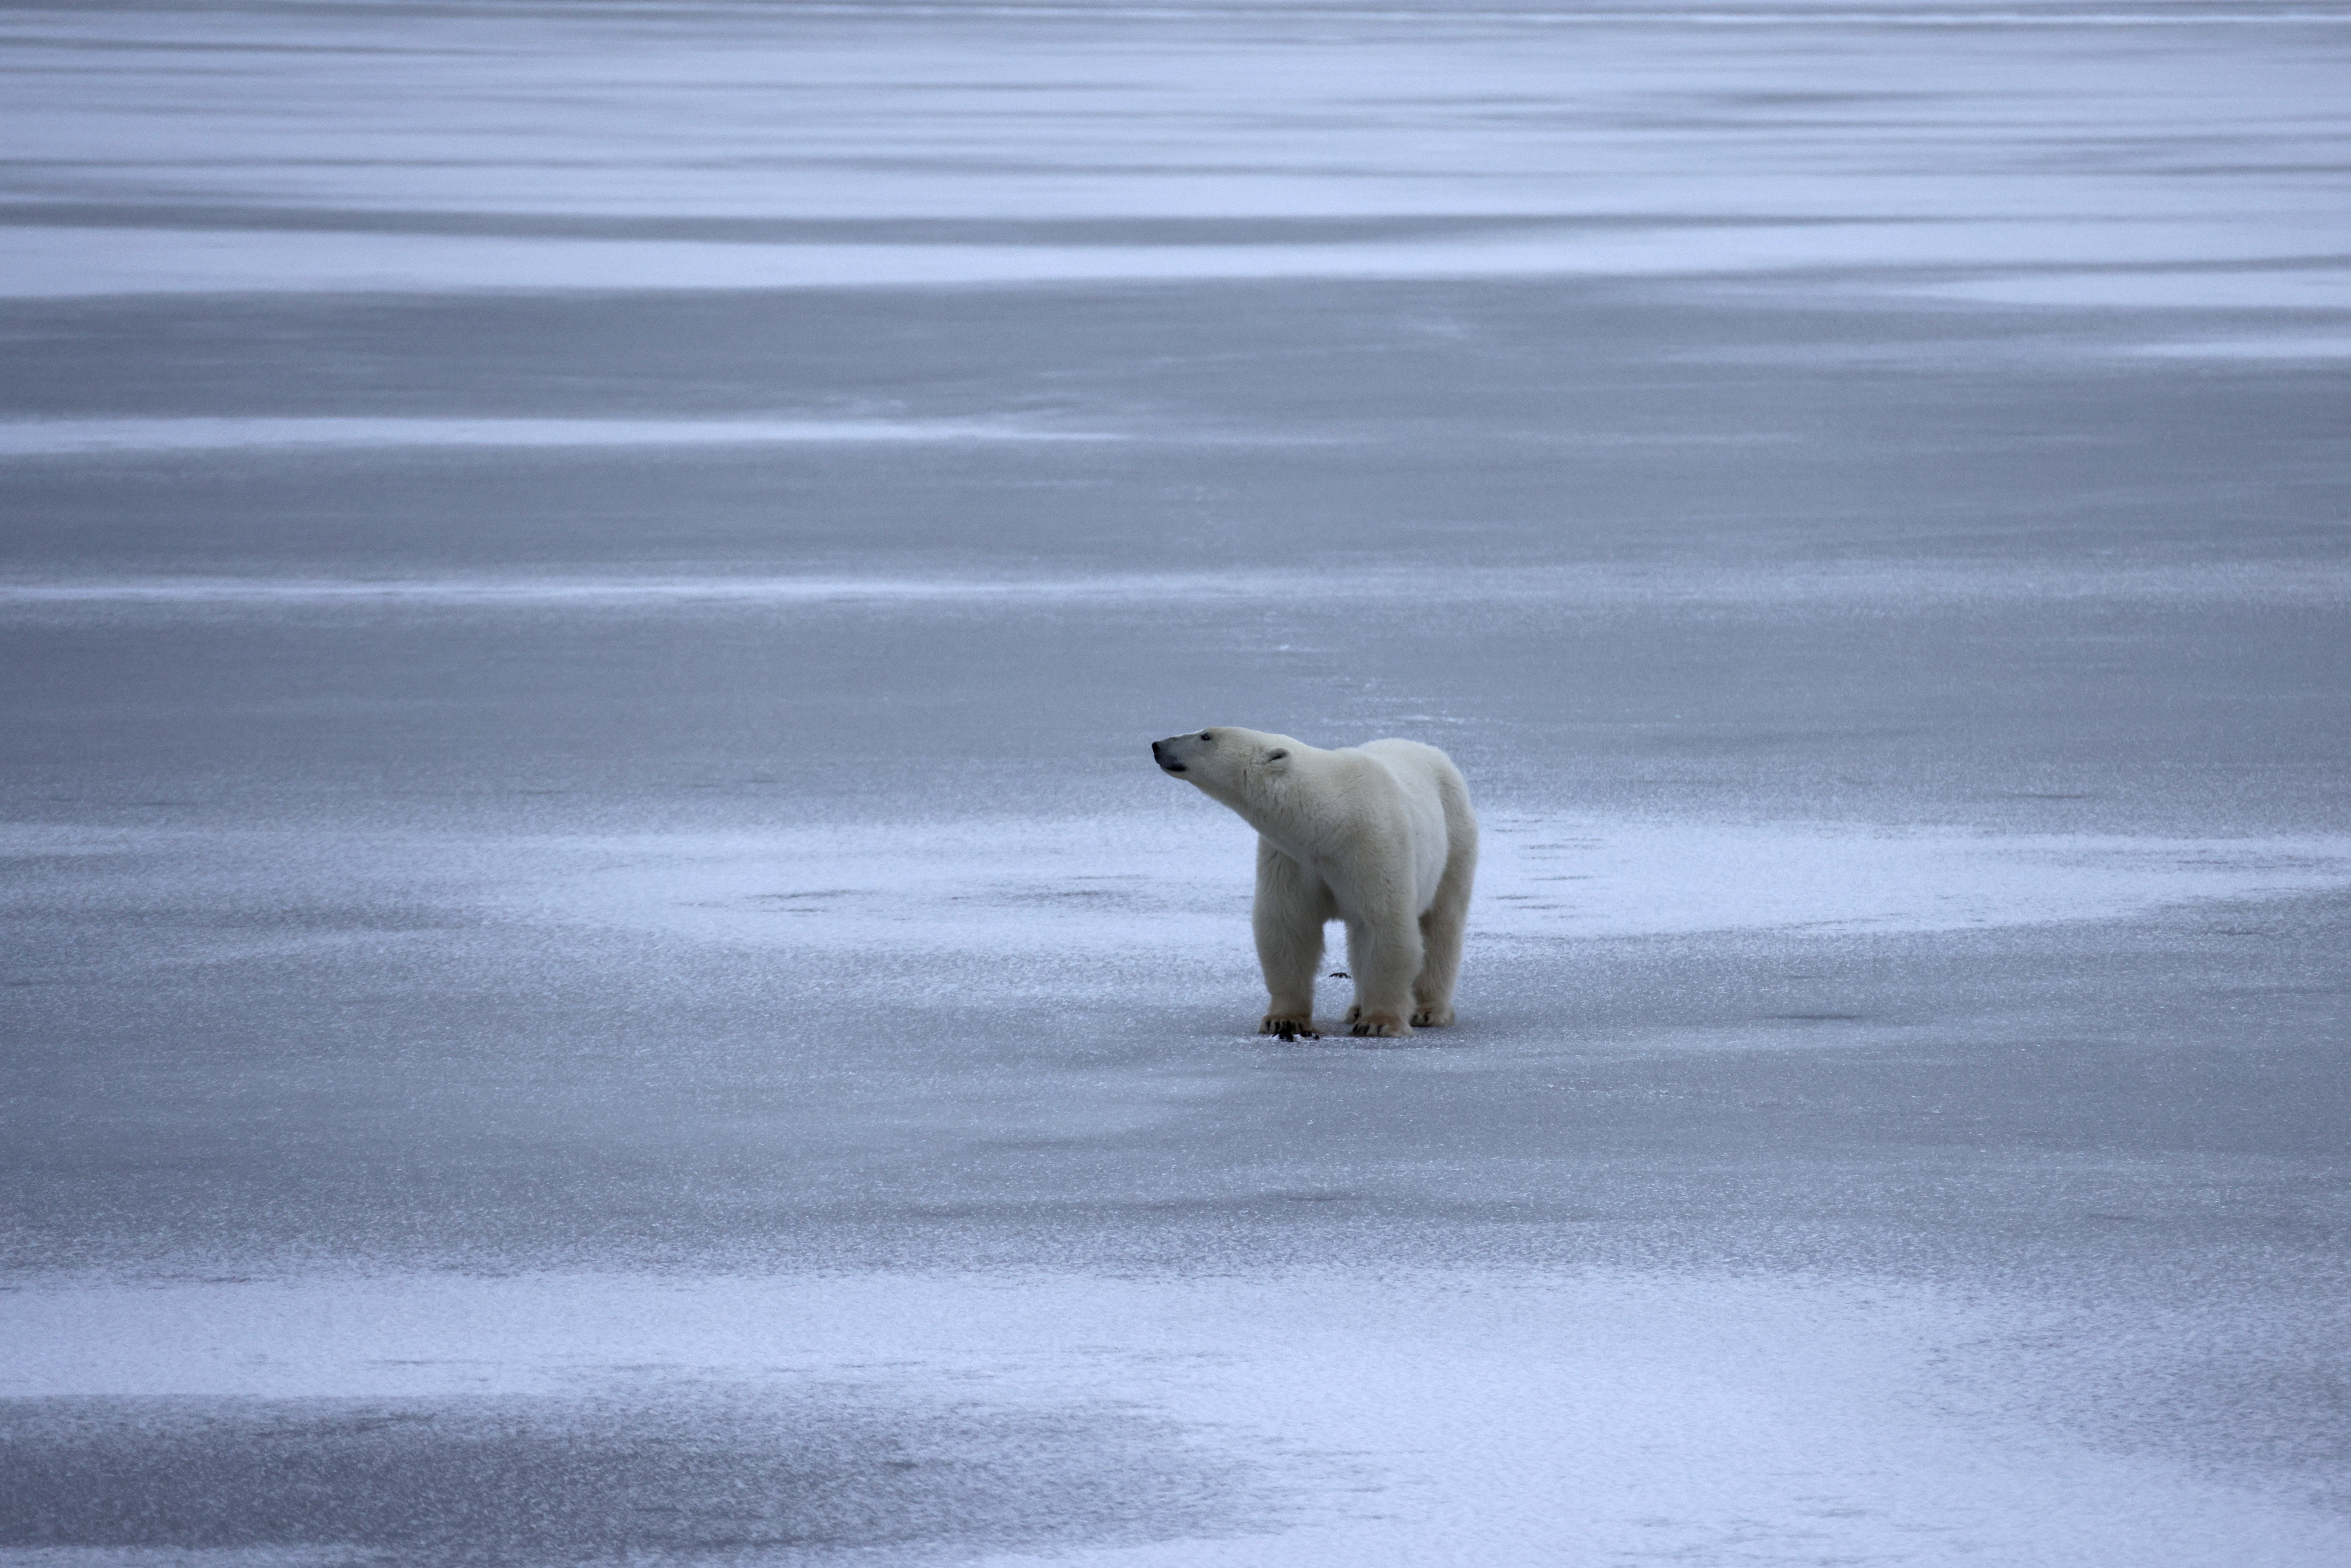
1207, 736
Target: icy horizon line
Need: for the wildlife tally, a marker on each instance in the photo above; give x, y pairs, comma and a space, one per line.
1886, 13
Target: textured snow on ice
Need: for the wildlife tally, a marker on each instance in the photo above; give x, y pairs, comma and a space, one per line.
1457, 1416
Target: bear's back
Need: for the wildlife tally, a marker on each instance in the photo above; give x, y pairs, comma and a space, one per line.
1413, 762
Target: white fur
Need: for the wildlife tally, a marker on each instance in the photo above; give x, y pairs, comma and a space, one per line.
1378, 835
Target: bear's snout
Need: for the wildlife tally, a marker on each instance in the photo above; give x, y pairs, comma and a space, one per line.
1159, 755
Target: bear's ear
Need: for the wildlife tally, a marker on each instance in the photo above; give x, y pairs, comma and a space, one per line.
1277, 760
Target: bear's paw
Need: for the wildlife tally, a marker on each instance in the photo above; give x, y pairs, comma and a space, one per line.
1289, 1026
1387, 1025
1432, 1018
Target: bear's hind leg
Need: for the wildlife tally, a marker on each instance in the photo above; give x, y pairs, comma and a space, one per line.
1288, 915
1441, 927
1440, 967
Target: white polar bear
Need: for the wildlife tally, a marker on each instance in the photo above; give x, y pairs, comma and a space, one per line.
1379, 835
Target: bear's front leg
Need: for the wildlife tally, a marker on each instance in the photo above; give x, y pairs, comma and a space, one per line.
1383, 954
1288, 915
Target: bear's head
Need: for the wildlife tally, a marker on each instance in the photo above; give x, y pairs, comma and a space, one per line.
1225, 762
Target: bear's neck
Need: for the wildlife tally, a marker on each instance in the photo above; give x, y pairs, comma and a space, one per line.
1261, 807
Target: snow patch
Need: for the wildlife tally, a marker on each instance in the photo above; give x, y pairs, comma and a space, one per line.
1154, 884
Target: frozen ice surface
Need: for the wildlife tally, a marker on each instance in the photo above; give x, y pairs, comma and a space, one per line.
595, 970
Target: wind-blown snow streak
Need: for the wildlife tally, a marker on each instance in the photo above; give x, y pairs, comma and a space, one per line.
81, 437
1599, 586
56, 262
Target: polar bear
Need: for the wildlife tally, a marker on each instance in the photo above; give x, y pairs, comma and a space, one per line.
1378, 835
